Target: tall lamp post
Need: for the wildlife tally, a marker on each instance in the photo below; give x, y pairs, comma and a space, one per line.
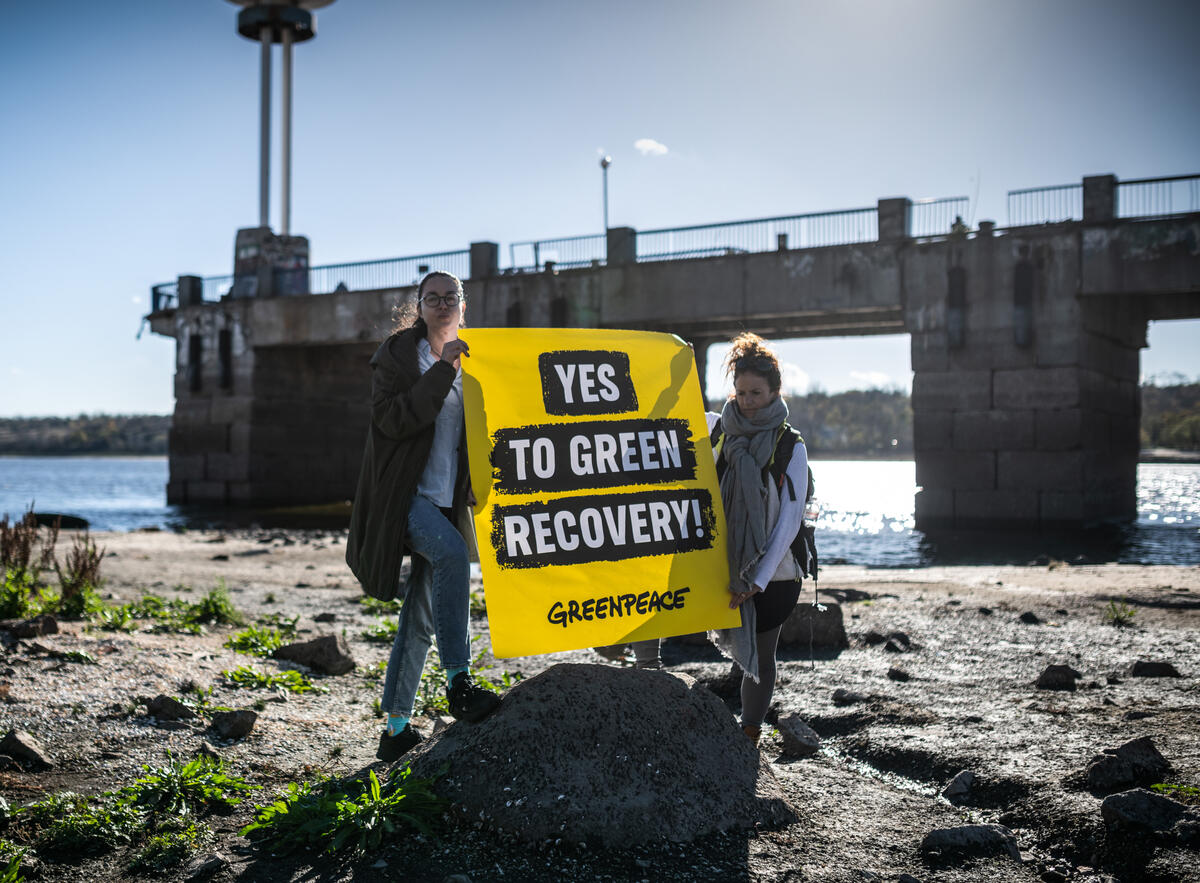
605, 162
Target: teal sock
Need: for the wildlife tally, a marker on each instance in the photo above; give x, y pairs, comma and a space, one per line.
452, 673
396, 723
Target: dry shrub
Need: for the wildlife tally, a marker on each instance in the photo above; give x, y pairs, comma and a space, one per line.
81, 574
19, 539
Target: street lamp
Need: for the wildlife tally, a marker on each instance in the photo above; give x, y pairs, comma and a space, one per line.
605, 162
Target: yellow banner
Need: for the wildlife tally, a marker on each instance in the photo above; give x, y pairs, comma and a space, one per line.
598, 514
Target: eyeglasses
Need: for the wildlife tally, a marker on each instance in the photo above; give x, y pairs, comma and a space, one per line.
449, 300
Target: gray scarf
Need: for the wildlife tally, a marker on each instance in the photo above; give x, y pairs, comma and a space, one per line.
747, 446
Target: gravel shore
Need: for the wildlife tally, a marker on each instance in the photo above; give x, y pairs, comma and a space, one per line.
959, 695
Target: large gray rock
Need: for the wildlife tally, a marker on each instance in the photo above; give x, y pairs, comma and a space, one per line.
1140, 811
26, 750
971, 840
824, 625
607, 756
45, 624
327, 654
1137, 762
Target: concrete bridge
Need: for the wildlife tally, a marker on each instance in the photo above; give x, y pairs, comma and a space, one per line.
1025, 344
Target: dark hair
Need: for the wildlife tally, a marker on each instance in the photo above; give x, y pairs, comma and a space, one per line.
749, 353
403, 314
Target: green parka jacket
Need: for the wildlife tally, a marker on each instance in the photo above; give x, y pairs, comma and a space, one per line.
404, 405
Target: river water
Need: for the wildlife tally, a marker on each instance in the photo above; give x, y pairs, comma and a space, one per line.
866, 512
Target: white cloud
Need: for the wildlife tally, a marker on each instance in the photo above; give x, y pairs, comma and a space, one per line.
872, 379
17, 372
793, 379
650, 147
136, 300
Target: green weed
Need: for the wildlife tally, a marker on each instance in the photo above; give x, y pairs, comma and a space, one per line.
181, 789
279, 621
257, 641
289, 679
68, 824
216, 607
383, 632
20, 596
1119, 614
360, 815
379, 608
1188, 794
174, 842
374, 671
478, 603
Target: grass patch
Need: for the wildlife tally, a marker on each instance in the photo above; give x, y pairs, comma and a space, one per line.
258, 640
175, 616
175, 841
1188, 794
244, 677
1119, 614
378, 608
179, 789
383, 632
357, 816
160, 811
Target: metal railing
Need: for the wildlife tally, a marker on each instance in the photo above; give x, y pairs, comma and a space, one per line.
1045, 205
327, 278
389, 273
937, 217
566, 252
164, 296
761, 235
1149, 197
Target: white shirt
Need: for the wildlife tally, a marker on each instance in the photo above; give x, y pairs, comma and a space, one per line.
441, 469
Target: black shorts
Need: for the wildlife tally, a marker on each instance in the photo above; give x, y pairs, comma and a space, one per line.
773, 604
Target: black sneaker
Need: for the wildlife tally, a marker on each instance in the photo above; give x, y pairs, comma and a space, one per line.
392, 747
468, 702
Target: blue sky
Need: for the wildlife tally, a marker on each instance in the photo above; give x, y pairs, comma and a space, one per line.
129, 144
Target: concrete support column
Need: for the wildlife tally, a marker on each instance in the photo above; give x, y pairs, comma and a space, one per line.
485, 260
1099, 199
895, 218
622, 246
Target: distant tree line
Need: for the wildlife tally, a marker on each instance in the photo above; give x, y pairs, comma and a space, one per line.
1171, 417
860, 423
85, 434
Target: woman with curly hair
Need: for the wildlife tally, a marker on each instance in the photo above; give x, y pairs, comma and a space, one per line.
762, 466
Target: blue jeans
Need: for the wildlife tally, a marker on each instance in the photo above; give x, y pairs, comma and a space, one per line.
437, 602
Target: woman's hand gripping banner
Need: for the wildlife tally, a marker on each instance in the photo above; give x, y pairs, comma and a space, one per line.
598, 512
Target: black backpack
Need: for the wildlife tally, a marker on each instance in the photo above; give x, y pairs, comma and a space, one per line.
804, 546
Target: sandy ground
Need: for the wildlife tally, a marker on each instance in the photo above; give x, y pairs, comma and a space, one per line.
866, 799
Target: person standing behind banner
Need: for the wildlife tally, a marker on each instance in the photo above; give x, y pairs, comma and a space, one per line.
413, 488
762, 518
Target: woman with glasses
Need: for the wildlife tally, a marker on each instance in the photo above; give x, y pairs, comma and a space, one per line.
762, 466
413, 491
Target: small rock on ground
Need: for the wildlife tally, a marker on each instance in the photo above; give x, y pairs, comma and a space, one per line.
1140, 810
168, 708
23, 747
971, 840
799, 739
1144, 668
233, 724
1137, 762
1058, 677
823, 625
327, 654
896, 673
960, 787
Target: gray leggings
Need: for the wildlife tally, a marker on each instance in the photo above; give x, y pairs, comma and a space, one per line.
756, 698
